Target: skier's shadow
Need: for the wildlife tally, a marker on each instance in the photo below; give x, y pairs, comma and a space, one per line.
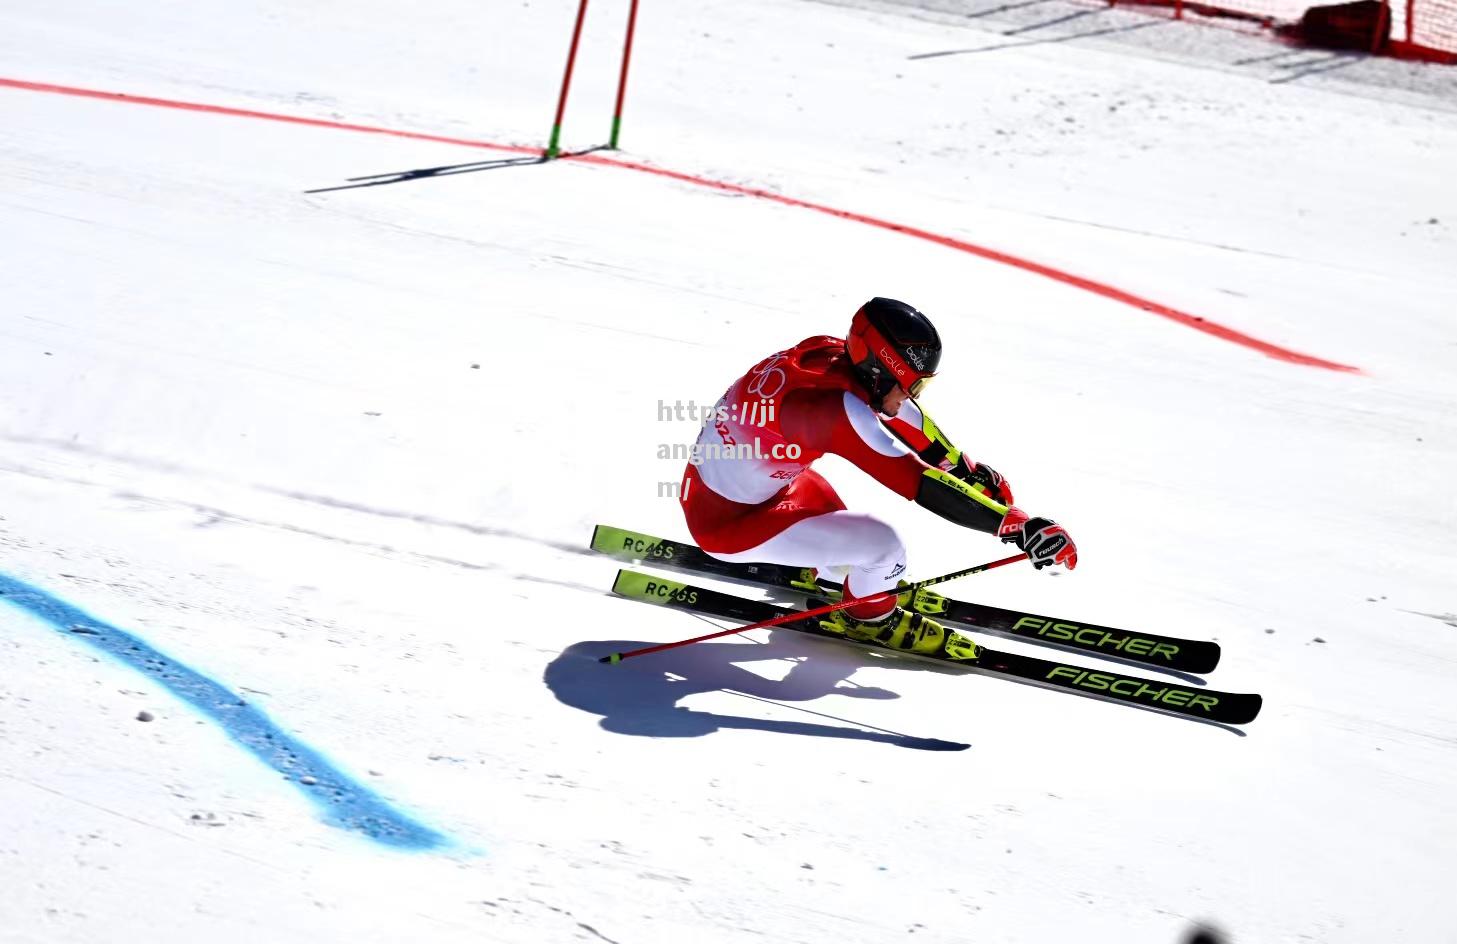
639, 697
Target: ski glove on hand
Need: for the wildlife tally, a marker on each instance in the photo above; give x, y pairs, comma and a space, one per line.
1044, 540
979, 473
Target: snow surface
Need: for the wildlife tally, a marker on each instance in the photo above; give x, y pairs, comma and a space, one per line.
245, 424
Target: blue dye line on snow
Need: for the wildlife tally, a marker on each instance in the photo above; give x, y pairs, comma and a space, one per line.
346, 803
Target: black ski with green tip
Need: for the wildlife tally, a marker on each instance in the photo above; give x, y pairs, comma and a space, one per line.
1166, 652
1203, 704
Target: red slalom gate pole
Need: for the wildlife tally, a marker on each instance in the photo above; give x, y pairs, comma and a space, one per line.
798, 615
561, 106
622, 82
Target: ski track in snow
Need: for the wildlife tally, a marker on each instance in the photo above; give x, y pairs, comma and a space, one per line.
332, 459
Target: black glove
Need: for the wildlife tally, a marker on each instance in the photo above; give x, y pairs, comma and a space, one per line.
979, 473
1044, 540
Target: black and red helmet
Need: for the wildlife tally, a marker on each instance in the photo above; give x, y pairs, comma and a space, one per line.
892, 344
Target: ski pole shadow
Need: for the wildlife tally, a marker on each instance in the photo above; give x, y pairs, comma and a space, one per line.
427, 173
640, 698
1038, 42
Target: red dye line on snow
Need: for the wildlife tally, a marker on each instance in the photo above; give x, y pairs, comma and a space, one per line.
950, 242
246, 113
1067, 278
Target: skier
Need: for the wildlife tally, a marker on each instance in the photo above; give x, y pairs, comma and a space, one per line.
749, 494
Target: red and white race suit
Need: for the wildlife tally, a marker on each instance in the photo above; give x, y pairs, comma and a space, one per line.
749, 494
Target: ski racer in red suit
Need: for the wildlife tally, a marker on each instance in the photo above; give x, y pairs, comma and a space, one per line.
749, 493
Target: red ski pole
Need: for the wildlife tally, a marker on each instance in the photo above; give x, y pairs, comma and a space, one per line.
622, 82
561, 106
798, 615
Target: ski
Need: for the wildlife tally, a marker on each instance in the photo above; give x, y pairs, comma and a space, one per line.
1203, 704
1167, 652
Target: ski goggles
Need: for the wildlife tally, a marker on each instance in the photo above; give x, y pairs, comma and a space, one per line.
869, 347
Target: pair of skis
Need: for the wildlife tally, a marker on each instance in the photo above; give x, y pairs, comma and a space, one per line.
1177, 655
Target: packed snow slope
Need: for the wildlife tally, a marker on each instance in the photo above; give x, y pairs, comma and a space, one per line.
305, 479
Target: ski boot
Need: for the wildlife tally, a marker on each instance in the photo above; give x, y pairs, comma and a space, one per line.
923, 601
903, 630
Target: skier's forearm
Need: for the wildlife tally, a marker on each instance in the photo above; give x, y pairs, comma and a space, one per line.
959, 502
940, 447
923, 436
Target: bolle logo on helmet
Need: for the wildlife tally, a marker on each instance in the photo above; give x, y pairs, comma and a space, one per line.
916, 357
891, 360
